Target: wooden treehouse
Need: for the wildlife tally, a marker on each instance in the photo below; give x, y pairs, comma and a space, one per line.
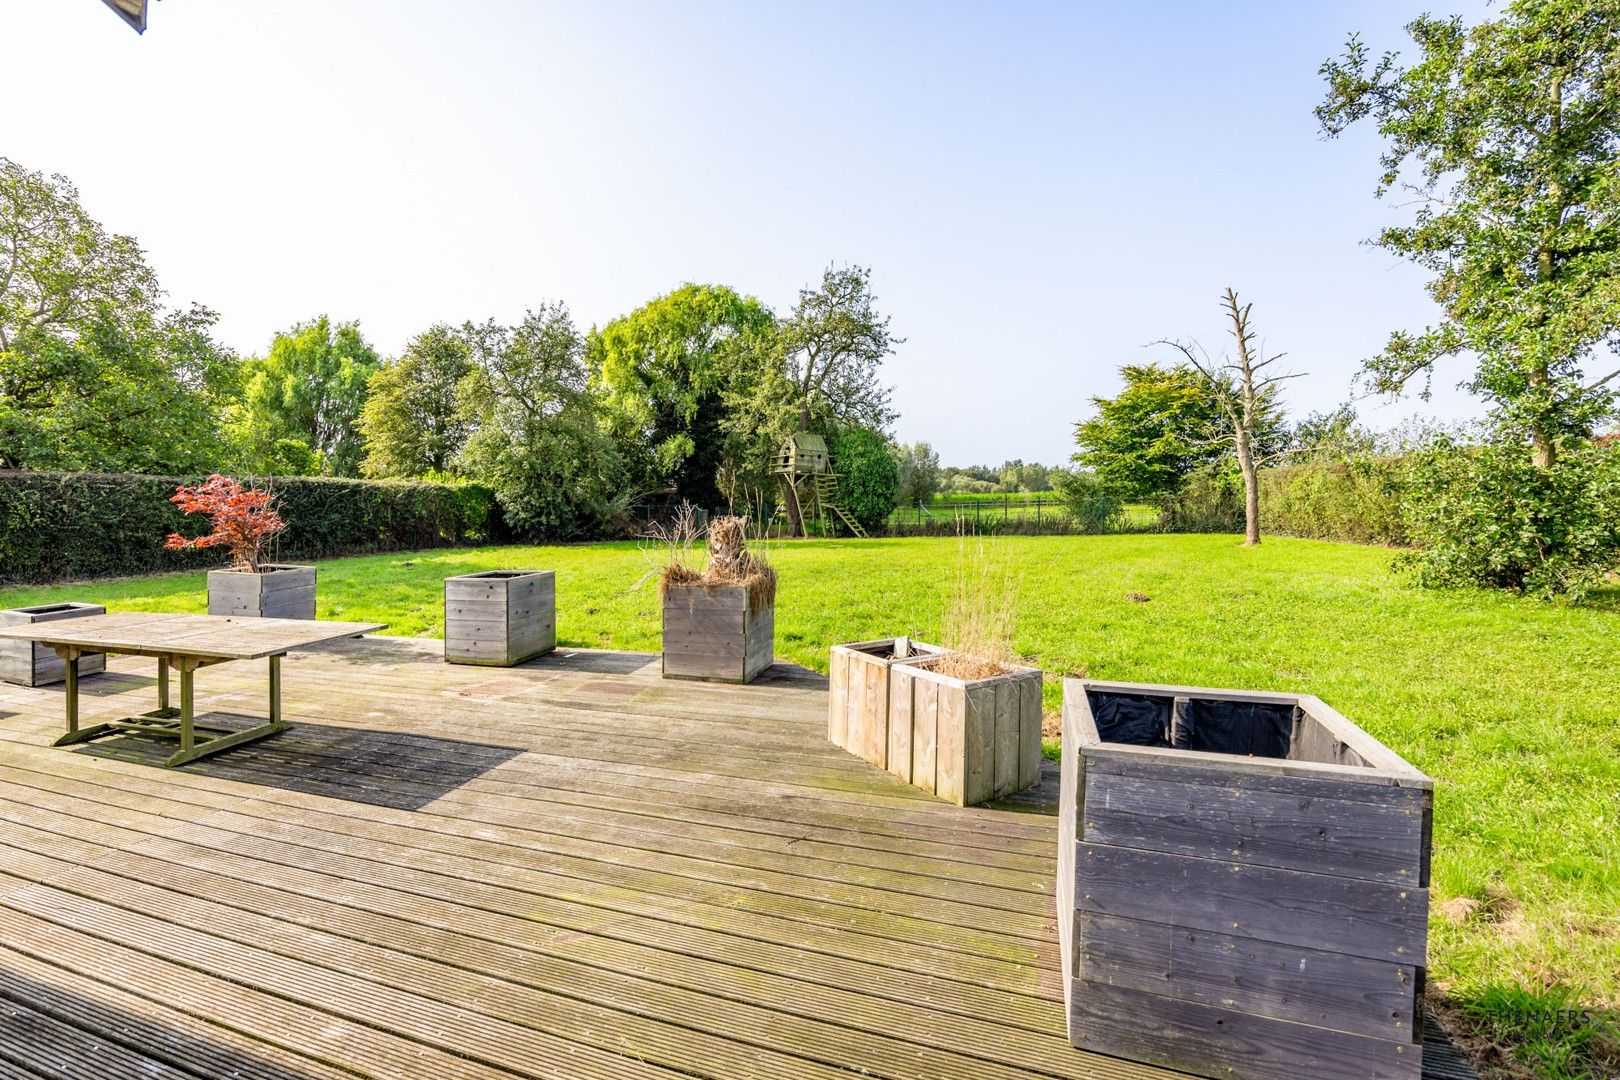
809, 485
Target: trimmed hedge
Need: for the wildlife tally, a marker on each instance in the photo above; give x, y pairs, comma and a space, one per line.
59, 526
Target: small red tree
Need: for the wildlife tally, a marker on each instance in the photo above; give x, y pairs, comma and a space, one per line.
243, 518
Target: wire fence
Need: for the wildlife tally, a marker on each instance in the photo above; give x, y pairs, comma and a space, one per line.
949, 516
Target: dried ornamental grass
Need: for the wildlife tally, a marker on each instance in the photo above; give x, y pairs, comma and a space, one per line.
731, 561
977, 631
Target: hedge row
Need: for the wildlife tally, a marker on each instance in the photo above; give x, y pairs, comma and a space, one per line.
58, 526
1356, 502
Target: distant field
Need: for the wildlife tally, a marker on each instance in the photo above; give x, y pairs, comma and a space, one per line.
991, 508
1509, 704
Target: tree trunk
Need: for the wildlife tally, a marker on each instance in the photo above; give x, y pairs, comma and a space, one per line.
795, 514
1251, 492
1543, 450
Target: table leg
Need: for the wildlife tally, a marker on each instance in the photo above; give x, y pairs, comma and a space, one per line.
275, 689
74, 733
71, 662
186, 735
163, 684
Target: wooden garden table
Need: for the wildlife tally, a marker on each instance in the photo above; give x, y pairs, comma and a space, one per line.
185, 643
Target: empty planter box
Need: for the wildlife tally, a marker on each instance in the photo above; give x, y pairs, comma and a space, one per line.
277, 591
1242, 885
966, 741
500, 617
32, 664
717, 633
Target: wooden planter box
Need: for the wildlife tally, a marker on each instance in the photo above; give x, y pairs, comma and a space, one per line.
280, 591
500, 617
966, 742
710, 633
1242, 885
31, 664
858, 701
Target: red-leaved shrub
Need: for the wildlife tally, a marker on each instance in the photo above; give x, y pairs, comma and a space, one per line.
244, 519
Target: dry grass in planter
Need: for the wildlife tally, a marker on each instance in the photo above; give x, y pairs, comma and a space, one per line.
719, 623
962, 720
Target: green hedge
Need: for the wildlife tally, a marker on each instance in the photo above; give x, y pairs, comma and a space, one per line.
1356, 502
57, 526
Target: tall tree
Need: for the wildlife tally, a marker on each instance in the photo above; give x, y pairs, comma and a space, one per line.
94, 373
834, 345
1506, 135
411, 421
310, 387
1248, 400
663, 371
1146, 439
920, 476
536, 438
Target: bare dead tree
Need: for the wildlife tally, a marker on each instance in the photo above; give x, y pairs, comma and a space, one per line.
1245, 396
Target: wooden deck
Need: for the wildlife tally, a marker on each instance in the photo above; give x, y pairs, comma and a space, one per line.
570, 869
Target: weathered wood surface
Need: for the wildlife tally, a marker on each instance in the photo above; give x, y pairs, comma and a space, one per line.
500, 618
216, 637
711, 633
29, 663
1230, 914
969, 742
859, 703
622, 877
284, 592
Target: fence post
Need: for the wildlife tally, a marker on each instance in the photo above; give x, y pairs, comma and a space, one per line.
976, 505
1037, 512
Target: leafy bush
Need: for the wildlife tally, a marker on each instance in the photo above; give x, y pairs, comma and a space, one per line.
1090, 505
57, 526
868, 476
1356, 501
1487, 516
1209, 500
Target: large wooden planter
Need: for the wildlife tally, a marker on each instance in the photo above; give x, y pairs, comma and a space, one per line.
500, 617
32, 664
966, 742
711, 632
1242, 885
858, 700
279, 591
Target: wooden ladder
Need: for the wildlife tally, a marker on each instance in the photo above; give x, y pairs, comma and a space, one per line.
826, 484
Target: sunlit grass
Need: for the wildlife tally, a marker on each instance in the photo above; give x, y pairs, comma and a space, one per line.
1510, 704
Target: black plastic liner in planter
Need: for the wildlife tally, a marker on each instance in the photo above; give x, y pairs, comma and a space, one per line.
1214, 725
1135, 719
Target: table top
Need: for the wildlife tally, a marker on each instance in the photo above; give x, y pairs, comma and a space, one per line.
213, 637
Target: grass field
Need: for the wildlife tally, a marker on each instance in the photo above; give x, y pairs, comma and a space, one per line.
1509, 704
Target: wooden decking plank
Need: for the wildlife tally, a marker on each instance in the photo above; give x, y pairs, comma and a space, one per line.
503, 1011
455, 1029
358, 1047
671, 1025
940, 975
999, 935
34, 1040
992, 825
509, 804
977, 827
616, 976
149, 1028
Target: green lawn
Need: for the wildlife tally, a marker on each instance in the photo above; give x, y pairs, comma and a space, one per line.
1509, 704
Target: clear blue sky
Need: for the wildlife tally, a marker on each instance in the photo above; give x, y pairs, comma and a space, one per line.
1039, 189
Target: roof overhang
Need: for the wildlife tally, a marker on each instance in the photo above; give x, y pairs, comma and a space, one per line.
131, 11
